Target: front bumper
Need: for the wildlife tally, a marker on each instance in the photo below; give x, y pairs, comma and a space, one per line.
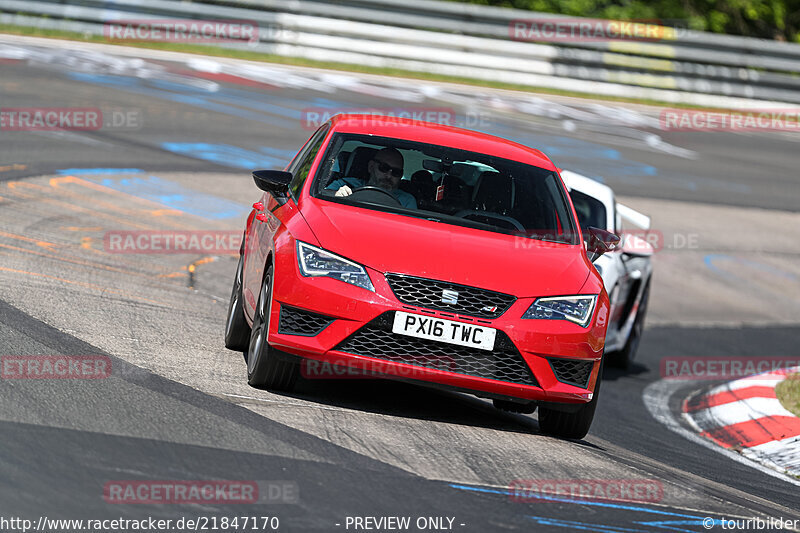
335, 323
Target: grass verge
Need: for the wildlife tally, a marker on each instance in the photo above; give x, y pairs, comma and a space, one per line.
271, 58
788, 392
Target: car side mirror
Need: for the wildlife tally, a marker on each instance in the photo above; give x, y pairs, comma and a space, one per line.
275, 182
599, 241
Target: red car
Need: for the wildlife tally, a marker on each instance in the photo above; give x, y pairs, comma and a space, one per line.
428, 253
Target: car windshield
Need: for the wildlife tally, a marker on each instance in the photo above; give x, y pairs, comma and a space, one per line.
448, 185
590, 211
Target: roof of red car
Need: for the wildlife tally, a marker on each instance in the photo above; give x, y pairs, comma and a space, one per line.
438, 134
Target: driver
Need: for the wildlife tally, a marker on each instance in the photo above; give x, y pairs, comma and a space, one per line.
385, 171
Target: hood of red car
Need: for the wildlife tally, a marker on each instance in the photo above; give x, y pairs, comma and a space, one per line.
390, 242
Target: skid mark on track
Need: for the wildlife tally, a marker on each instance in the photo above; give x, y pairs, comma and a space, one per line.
177, 197
200, 99
711, 261
231, 156
70, 193
17, 186
116, 206
757, 276
75, 261
159, 211
37, 242
88, 171
87, 285
15, 166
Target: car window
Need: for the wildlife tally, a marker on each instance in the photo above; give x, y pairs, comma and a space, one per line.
452, 186
293, 164
300, 166
590, 211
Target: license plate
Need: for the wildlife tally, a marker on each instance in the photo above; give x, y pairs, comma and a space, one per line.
439, 329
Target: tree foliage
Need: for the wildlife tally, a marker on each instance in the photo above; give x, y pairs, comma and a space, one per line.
767, 19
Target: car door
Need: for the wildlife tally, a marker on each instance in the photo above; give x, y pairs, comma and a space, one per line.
267, 220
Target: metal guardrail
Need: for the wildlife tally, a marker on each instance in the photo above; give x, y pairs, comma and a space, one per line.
469, 41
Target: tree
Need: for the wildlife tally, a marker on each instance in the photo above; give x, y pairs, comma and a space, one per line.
767, 19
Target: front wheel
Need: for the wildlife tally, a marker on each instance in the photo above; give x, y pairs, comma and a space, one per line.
568, 425
237, 332
266, 366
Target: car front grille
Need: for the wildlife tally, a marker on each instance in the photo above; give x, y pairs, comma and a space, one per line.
375, 339
428, 293
572, 372
294, 321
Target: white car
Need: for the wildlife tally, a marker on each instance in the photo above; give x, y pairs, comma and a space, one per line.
626, 272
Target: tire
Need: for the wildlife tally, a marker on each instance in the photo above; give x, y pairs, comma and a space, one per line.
237, 332
624, 357
266, 366
568, 425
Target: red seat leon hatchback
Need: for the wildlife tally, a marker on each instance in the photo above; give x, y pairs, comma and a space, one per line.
428, 253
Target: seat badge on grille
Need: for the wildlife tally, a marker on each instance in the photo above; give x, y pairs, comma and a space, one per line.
489, 309
449, 297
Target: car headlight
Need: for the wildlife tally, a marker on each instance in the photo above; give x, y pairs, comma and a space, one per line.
316, 262
576, 309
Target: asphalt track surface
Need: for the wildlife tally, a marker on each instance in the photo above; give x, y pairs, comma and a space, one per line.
176, 405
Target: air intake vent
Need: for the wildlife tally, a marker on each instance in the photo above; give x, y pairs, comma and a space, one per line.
572, 372
296, 321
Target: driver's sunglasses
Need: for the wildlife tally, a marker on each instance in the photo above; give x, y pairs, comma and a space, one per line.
384, 167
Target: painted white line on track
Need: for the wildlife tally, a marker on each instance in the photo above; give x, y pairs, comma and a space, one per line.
656, 398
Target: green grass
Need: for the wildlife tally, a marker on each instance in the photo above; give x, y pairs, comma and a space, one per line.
271, 58
788, 392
